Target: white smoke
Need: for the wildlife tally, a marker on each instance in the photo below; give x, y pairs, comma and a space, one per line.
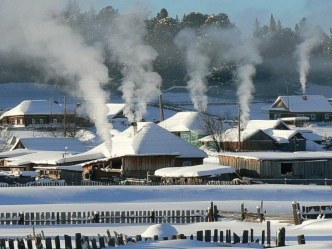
197, 65
311, 40
30, 29
244, 53
140, 84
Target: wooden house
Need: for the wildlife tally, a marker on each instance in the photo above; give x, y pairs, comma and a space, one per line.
262, 135
187, 125
139, 151
315, 107
300, 165
48, 114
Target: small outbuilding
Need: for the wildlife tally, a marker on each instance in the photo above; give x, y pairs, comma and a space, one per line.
300, 165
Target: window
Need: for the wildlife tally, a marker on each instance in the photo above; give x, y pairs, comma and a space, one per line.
21, 121
313, 116
41, 121
286, 168
186, 163
327, 116
275, 116
33, 121
55, 120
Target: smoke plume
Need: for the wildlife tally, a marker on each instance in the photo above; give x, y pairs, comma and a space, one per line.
32, 30
311, 40
244, 53
140, 84
197, 64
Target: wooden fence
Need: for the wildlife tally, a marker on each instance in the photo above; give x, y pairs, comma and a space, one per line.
314, 212
142, 217
79, 241
121, 183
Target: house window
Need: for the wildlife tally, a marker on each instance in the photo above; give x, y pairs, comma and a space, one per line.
286, 168
41, 121
186, 163
275, 116
327, 116
21, 121
313, 116
55, 121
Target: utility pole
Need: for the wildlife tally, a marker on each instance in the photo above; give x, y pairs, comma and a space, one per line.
64, 116
161, 107
239, 129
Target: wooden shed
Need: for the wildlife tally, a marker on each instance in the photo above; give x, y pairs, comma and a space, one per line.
299, 165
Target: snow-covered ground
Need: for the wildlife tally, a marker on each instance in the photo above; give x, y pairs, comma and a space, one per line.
277, 198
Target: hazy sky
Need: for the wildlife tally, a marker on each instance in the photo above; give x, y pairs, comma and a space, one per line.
241, 12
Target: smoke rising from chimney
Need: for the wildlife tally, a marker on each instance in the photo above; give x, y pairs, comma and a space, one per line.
197, 64
31, 30
140, 84
311, 39
244, 53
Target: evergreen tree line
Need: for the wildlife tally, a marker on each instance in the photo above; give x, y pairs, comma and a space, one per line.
276, 45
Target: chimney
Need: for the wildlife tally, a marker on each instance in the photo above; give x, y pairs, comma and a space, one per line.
134, 125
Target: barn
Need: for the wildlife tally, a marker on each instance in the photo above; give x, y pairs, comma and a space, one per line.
297, 165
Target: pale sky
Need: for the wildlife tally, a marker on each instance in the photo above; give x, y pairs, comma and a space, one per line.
241, 12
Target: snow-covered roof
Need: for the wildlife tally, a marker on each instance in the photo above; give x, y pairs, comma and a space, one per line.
40, 157
51, 144
114, 109
263, 124
281, 136
194, 171
263, 155
307, 103
310, 135
152, 139
232, 135
183, 121
33, 107
15, 153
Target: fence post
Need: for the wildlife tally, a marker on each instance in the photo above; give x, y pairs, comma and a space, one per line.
263, 237
245, 236
281, 237
101, 242
48, 242
11, 244
268, 233
86, 242
68, 244
215, 235
242, 211
236, 238
20, 244
300, 239
221, 236
57, 242
199, 235
207, 235
296, 213
29, 243
94, 243
78, 240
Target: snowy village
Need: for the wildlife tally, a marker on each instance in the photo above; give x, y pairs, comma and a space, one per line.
164, 125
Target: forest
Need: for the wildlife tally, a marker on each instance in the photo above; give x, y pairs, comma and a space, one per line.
275, 43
